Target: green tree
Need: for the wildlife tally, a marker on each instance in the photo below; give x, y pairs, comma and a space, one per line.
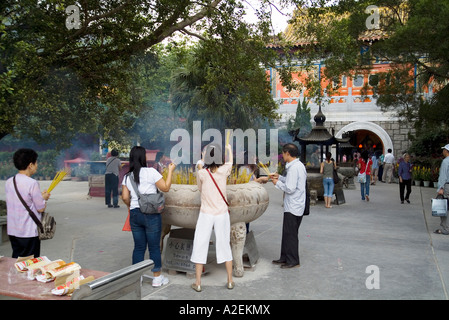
301, 121
152, 128
226, 89
56, 81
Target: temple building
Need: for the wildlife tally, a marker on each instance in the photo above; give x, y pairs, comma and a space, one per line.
349, 109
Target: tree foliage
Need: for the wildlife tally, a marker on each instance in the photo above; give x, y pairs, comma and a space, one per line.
301, 121
56, 81
152, 128
225, 88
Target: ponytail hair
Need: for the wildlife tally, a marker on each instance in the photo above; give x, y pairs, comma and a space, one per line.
137, 160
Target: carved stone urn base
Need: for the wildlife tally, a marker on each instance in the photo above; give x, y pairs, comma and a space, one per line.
238, 237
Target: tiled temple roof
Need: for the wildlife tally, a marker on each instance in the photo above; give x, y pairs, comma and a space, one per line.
295, 39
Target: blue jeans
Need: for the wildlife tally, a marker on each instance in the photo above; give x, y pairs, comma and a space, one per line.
364, 187
146, 230
328, 184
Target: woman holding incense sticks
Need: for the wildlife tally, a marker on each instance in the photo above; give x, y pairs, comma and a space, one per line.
213, 214
21, 228
146, 228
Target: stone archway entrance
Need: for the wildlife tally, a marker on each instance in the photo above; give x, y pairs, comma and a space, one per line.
368, 132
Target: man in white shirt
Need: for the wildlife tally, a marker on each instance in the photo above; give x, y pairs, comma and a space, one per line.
294, 187
443, 187
388, 167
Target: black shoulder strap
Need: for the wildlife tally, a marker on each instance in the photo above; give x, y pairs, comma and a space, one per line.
110, 163
32, 215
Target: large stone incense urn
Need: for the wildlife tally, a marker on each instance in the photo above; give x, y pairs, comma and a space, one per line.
247, 202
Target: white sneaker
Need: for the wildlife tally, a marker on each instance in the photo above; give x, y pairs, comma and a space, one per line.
160, 281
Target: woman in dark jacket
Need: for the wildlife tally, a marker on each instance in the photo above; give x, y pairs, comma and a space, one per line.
405, 178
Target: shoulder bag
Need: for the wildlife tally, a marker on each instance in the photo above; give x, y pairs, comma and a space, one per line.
47, 226
335, 174
224, 199
307, 204
150, 203
439, 206
361, 177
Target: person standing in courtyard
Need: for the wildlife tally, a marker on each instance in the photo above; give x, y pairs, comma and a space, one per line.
388, 167
405, 178
315, 158
111, 179
375, 168
443, 188
364, 166
355, 163
146, 228
21, 228
294, 187
213, 214
380, 163
327, 170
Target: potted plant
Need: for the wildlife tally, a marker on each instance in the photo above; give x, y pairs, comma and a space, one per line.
435, 174
417, 176
426, 176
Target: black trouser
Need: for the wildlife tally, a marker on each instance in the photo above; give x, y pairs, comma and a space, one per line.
381, 172
111, 185
402, 186
24, 247
290, 245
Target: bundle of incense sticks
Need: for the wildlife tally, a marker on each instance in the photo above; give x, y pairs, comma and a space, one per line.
58, 177
189, 176
227, 137
261, 165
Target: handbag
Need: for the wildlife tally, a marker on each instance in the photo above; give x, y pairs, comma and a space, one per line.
219, 189
307, 204
46, 226
439, 206
150, 203
336, 177
361, 177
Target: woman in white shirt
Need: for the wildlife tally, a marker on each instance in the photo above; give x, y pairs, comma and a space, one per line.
145, 228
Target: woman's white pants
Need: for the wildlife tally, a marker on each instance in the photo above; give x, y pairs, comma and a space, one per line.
222, 227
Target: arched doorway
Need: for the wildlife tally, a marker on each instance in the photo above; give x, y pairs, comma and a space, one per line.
368, 134
367, 140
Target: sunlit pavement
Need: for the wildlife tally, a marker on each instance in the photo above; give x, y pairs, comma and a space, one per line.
360, 250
